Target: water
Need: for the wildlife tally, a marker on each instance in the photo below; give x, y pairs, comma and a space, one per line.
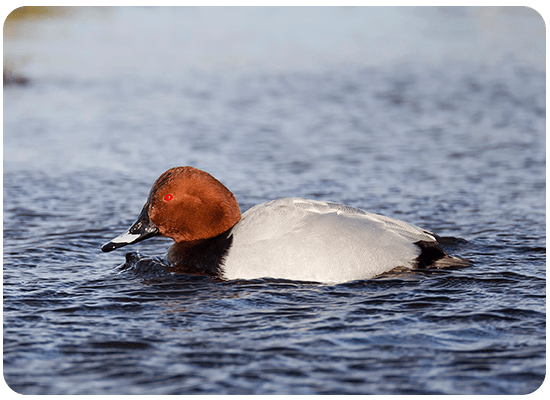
433, 116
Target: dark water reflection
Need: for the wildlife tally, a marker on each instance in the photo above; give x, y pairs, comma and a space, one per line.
456, 147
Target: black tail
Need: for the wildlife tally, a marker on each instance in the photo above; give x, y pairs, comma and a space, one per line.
433, 256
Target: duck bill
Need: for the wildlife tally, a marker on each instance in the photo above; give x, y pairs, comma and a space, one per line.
140, 230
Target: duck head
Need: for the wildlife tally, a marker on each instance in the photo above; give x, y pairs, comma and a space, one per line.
185, 204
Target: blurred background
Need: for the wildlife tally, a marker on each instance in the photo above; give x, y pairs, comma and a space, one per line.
111, 80
98, 41
246, 91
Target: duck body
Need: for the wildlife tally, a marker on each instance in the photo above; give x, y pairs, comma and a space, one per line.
288, 238
301, 239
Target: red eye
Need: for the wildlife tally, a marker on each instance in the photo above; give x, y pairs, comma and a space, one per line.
168, 197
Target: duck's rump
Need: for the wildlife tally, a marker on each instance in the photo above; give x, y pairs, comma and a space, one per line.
432, 256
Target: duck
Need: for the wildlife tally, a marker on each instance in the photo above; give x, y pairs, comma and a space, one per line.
287, 238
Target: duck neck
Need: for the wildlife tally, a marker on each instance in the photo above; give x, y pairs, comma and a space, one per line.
201, 257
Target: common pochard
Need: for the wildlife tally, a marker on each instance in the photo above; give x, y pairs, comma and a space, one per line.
289, 238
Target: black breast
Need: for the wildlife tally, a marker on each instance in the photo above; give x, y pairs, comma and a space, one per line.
204, 257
